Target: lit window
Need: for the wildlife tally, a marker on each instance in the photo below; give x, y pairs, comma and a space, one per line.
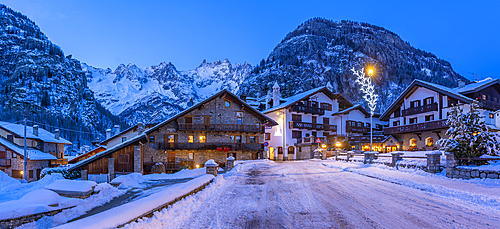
124, 139
190, 139
429, 142
171, 138
227, 104
491, 115
413, 142
484, 97
203, 138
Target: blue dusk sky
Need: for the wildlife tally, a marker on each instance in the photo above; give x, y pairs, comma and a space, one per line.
107, 33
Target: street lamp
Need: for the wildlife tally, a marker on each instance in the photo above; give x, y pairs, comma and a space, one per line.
338, 144
368, 90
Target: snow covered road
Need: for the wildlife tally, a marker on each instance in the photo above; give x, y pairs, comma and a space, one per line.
264, 194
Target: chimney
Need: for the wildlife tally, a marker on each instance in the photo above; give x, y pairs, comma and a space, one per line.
140, 128
190, 103
108, 133
276, 94
56, 134
243, 97
35, 130
461, 84
117, 129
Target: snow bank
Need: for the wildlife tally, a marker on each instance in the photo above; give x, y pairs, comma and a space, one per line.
211, 162
493, 166
132, 180
106, 194
83, 186
13, 190
122, 214
178, 213
34, 202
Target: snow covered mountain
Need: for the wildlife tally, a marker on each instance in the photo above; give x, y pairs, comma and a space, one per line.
39, 83
157, 92
321, 51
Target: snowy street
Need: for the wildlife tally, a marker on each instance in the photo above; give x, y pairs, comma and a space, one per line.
329, 194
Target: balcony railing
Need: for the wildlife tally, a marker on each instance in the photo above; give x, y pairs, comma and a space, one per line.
420, 109
416, 127
312, 126
5, 163
210, 146
308, 109
489, 104
311, 139
364, 138
221, 127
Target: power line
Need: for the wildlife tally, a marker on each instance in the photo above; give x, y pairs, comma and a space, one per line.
66, 129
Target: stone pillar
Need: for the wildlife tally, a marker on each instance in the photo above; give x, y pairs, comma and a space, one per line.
137, 160
230, 162
369, 157
451, 164
395, 158
337, 155
434, 162
348, 156
211, 167
323, 155
285, 154
85, 175
111, 168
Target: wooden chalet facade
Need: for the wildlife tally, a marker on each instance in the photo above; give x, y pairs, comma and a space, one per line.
211, 129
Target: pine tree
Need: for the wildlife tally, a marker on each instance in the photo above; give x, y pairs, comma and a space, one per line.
469, 135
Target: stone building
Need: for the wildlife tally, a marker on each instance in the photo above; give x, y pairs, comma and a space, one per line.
44, 149
211, 129
417, 118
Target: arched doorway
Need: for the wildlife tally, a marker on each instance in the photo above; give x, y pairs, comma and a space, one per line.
429, 142
280, 153
413, 143
291, 152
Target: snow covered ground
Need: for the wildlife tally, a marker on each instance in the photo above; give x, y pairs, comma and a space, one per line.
326, 194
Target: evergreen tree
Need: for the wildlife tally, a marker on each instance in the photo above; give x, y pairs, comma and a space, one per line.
469, 135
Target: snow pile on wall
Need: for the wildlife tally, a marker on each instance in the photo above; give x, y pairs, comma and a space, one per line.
41, 196
106, 194
133, 180
14, 190
72, 185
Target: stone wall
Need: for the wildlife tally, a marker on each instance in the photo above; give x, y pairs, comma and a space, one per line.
455, 171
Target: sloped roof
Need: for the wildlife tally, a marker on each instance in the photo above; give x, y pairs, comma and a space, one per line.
85, 154
102, 154
450, 92
477, 86
43, 135
33, 154
233, 96
301, 96
126, 130
355, 107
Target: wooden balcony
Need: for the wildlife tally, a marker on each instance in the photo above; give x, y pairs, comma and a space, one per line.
489, 104
221, 127
59, 162
5, 163
308, 110
434, 125
312, 126
366, 138
420, 109
210, 146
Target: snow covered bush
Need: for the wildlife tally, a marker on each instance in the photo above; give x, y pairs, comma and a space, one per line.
469, 135
62, 170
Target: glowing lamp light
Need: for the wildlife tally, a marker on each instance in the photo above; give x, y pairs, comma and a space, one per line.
323, 146
22, 172
197, 166
370, 72
338, 144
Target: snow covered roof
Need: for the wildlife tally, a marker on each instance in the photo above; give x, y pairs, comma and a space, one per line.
355, 107
301, 96
225, 91
479, 85
146, 126
43, 135
79, 157
450, 92
33, 154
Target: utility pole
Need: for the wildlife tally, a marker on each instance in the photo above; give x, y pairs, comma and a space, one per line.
25, 154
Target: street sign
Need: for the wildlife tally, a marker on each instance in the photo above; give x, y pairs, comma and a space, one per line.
266, 144
318, 140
